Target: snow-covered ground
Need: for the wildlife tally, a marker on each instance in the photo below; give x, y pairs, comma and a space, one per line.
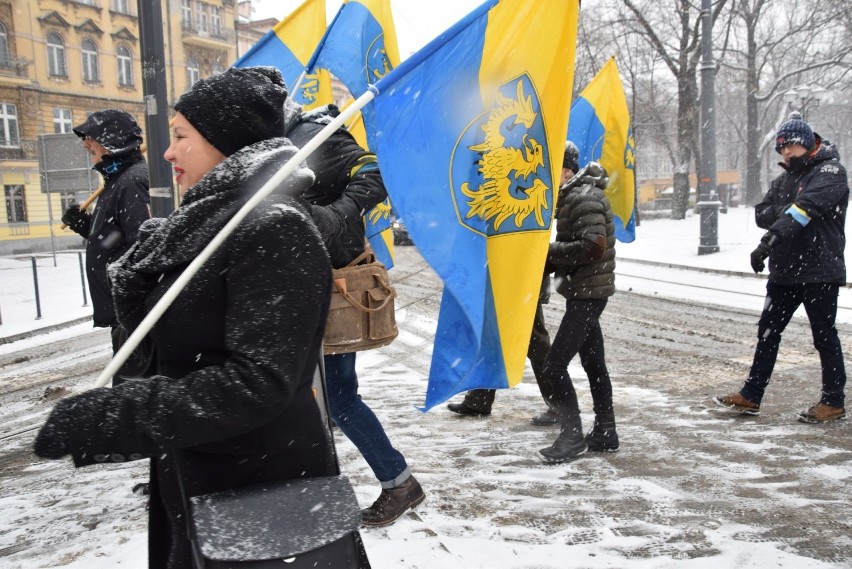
496, 470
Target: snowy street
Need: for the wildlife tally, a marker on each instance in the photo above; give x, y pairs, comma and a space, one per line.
692, 487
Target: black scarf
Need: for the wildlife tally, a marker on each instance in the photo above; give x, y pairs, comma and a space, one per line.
167, 244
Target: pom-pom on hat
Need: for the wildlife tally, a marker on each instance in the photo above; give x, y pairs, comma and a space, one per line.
794, 131
236, 108
571, 158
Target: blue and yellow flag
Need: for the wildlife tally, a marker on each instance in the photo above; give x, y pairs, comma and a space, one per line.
470, 136
600, 127
359, 48
288, 46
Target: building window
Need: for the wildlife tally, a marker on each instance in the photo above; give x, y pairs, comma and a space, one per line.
215, 21
216, 68
186, 9
203, 11
87, 2
9, 126
120, 6
125, 66
193, 74
4, 46
16, 207
55, 55
90, 61
61, 121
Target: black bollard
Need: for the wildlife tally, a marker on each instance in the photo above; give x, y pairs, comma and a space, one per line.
83, 278
35, 284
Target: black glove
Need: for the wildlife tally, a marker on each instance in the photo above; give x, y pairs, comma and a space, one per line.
77, 219
326, 220
759, 255
53, 440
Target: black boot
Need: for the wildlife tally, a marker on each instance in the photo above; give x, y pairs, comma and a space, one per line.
569, 445
392, 503
602, 437
546, 419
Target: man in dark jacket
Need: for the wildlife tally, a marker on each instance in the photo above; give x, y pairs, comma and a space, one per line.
804, 213
583, 262
112, 138
348, 184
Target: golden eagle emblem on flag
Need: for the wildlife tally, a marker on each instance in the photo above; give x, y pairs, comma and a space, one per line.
512, 165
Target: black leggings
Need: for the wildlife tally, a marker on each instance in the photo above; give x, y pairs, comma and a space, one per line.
579, 332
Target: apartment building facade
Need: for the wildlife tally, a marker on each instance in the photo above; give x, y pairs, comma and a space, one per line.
61, 60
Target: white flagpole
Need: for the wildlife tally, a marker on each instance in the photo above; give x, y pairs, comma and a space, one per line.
163, 304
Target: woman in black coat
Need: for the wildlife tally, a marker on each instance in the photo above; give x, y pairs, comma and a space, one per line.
230, 402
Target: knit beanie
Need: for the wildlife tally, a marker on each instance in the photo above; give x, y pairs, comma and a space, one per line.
794, 131
236, 108
571, 158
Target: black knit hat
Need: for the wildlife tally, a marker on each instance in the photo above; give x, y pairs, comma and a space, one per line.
794, 131
571, 158
236, 108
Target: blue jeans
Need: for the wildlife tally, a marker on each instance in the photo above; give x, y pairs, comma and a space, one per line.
820, 302
359, 423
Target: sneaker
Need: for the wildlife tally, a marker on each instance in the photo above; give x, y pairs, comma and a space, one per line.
820, 413
463, 409
545, 419
392, 503
738, 403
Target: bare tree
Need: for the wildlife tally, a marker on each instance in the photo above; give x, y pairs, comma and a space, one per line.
677, 42
774, 45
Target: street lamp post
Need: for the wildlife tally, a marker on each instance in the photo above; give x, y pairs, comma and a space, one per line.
807, 97
708, 204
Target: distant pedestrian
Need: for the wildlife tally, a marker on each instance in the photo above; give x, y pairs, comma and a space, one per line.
583, 262
804, 212
112, 138
478, 402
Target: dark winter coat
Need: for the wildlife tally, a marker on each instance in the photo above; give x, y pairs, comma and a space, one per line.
120, 210
230, 402
583, 255
812, 253
347, 181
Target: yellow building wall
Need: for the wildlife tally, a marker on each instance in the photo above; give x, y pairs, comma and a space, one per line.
27, 84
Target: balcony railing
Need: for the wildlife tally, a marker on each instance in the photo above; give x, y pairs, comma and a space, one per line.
220, 33
14, 67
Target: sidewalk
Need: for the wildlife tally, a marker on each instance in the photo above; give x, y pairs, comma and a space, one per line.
61, 294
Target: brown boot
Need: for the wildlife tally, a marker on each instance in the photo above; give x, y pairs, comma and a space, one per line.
738, 403
820, 413
392, 503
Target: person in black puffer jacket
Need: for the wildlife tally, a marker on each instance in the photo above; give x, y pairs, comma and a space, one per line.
804, 213
112, 138
583, 262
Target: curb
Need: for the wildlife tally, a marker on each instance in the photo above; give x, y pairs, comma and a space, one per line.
44, 330
700, 269
692, 268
